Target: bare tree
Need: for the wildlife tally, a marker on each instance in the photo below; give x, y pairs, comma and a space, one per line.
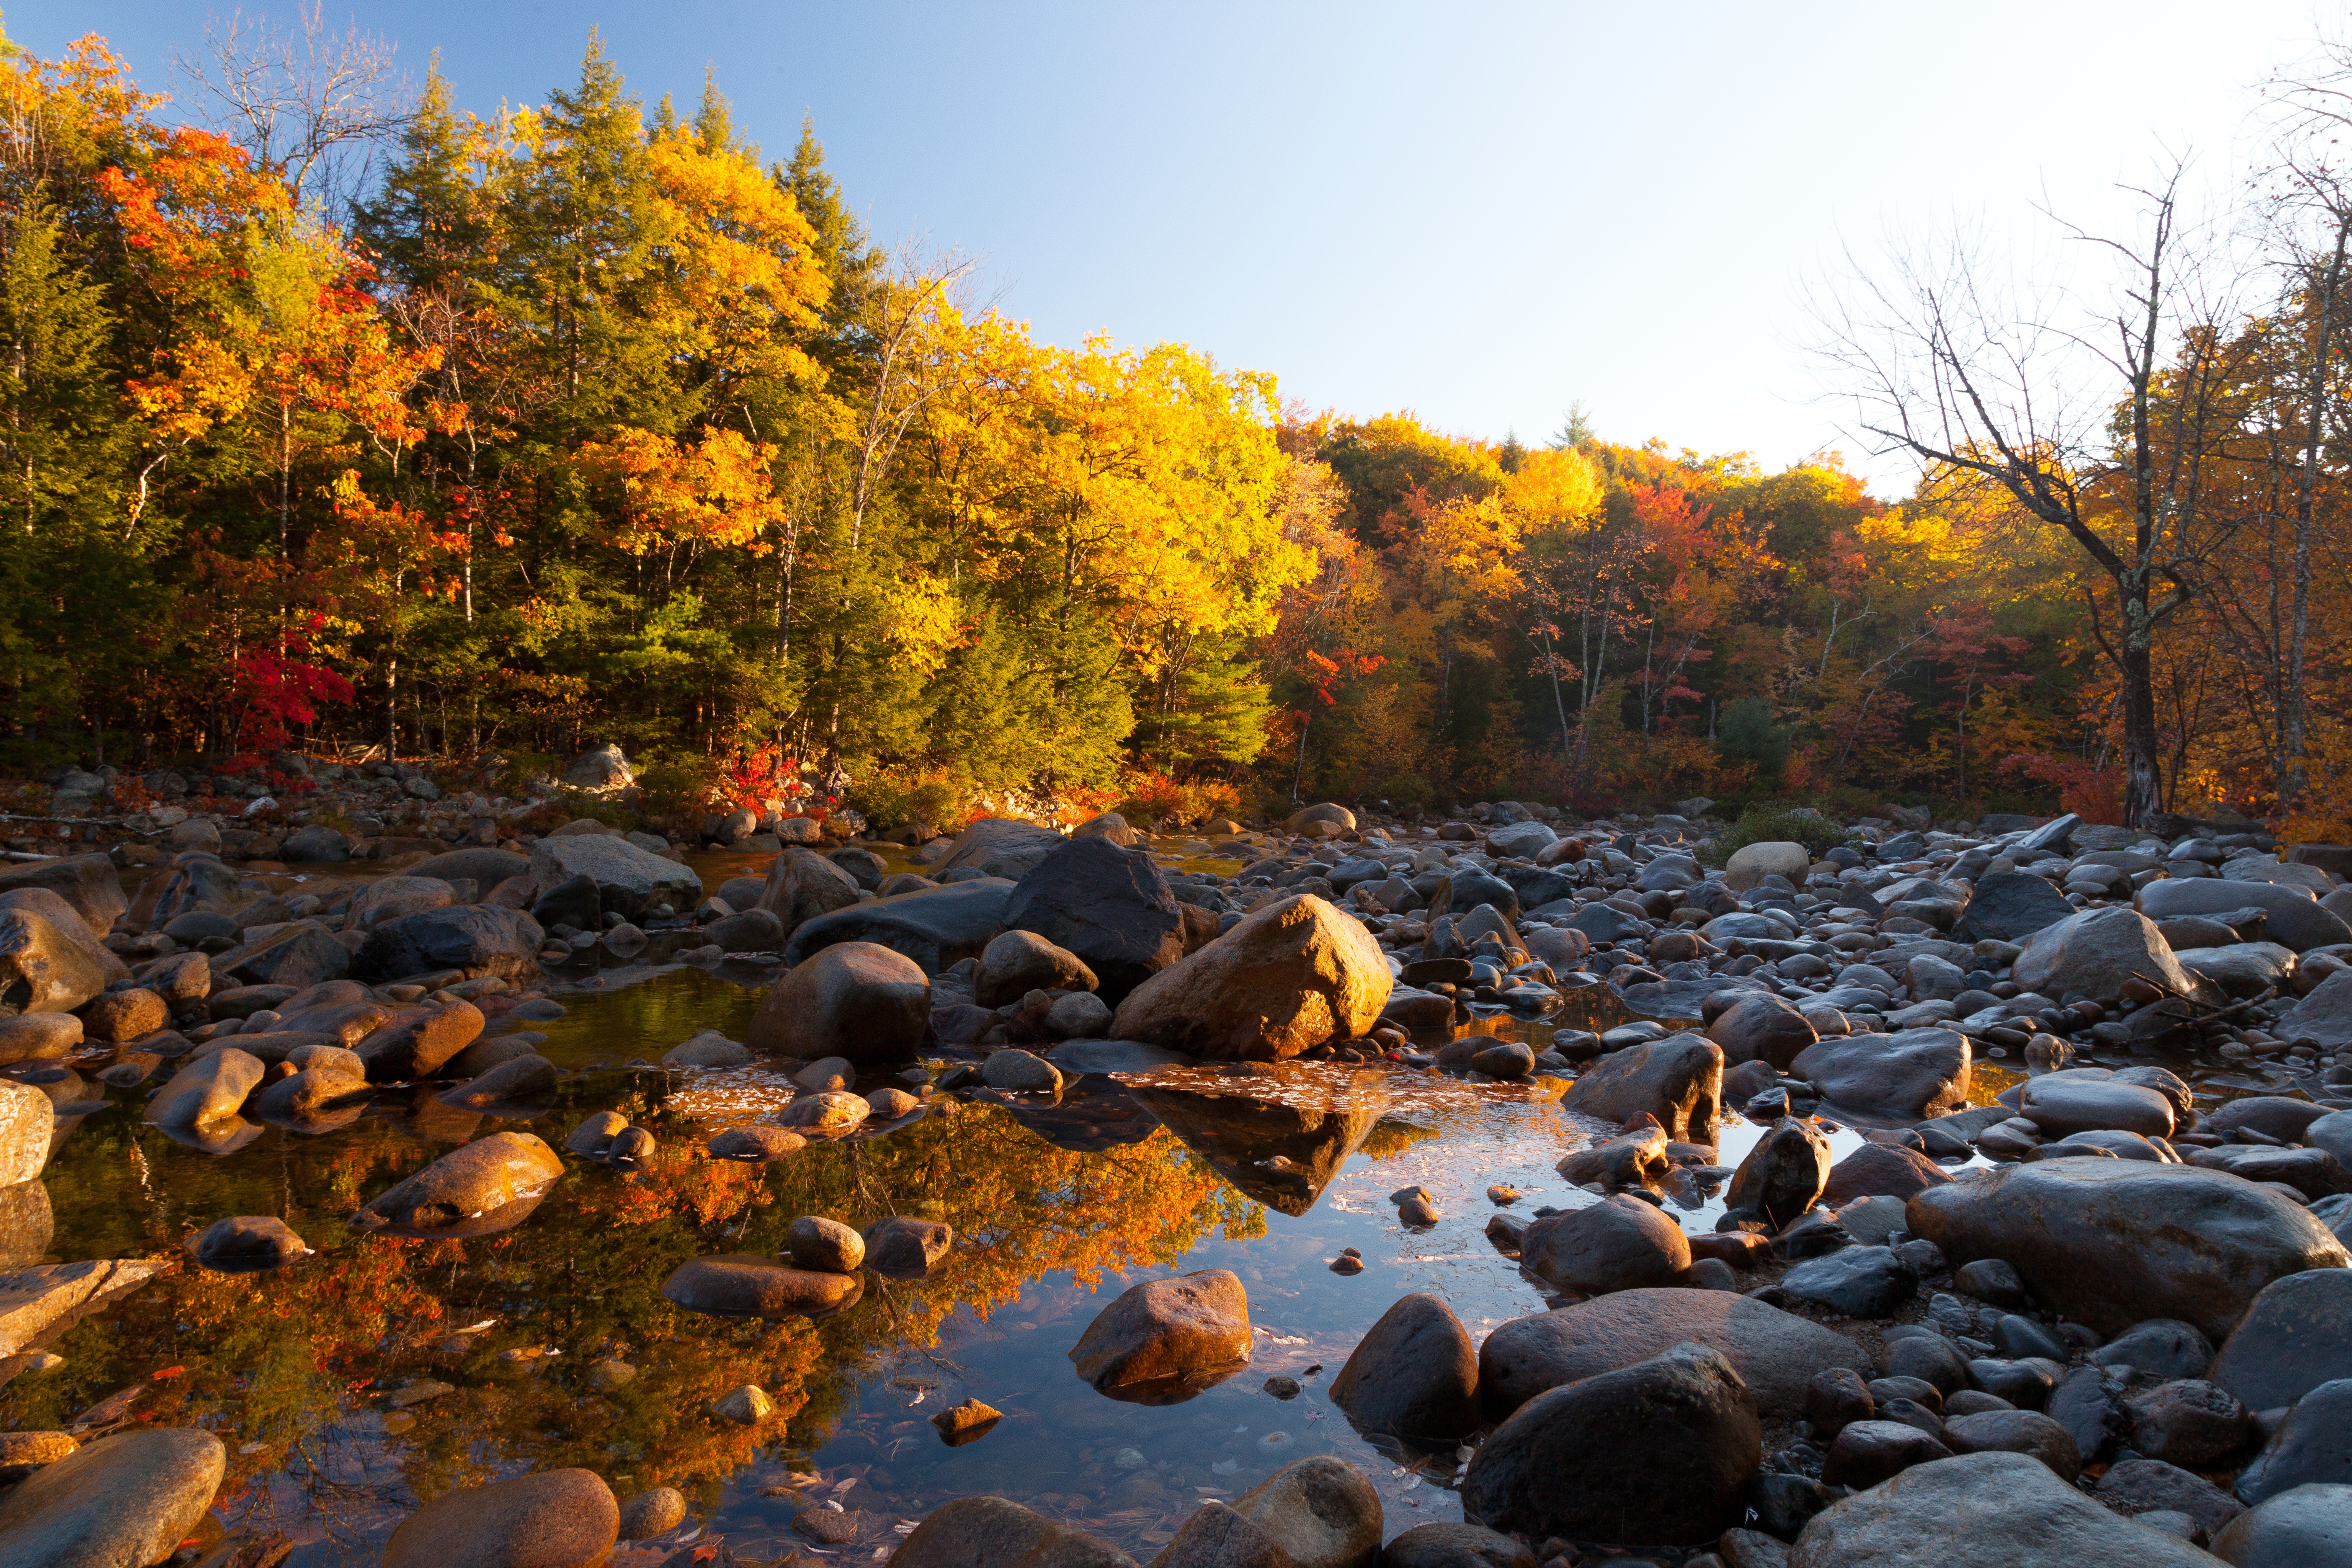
307, 104
2095, 418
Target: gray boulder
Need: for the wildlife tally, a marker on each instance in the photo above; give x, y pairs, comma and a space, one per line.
2308, 1526
630, 882
2295, 1336
2324, 1015
938, 928
2010, 906
90, 883
1904, 1077
1761, 1027
1000, 846
475, 939
1678, 1079
802, 885
1776, 1353
2094, 953
1415, 1375
1109, 906
2313, 1445
857, 1000
2296, 919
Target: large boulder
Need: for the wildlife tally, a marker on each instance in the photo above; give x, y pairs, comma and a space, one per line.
991, 1532
475, 1189
482, 866
1167, 1337
599, 768
299, 954
1752, 863
1001, 846
1618, 1244
1783, 1175
2296, 1336
1761, 1027
2010, 906
2309, 1526
802, 885
1777, 1353
2091, 1101
2324, 1015
1904, 1077
417, 1041
1415, 1375
210, 1088
2112, 1242
473, 939
630, 882
1021, 961
69, 924
1294, 974
2311, 1447
1319, 1511
1109, 906
2296, 919
857, 1000
1991, 1509
1661, 1451
122, 1501
937, 927
1881, 1170
553, 1519
41, 970
1678, 1079
2094, 953
89, 882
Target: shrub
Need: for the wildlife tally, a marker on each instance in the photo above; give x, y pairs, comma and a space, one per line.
1776, 822
676, 787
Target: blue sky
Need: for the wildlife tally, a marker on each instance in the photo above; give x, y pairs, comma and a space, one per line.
1482, 213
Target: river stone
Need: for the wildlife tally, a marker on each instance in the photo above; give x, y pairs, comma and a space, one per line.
90, 883
2273, 1115
937, 927
41, 969
1001, 846
1320, 1510
1294, 974
2112, 1242
802, 885
2162, 1347
758, 1143
2095, 951
2314, 1172
28, 1122
2309, 1526
2295, 1336
248, 1244
2187, 1422
630, 882
119, 1016
829, 1111
389, 898
1444, 1545
1752, 863
1167, 1332
37, 1036
1021, 961
824, 1245
1783, 1174
1618, 1244
415, 1042
746, 1285
2061, 1104
857, 999
2313, 1445
1761, 1027
2295, 918
650, 1513
1854, 1281
1776, 1353
476, 940
211, 1087
553, 1518
2133, 1486
517, 1077
1678, 1080
2027, 1432
1415, 1375
1215, 1536
1660, 1451
2324, 1015
2009, 906
709, 1048
1881, 1170
1109, 907
990, 1532
1908, 1076
475, 1189
122, 1501
905, 1247
1992, 1510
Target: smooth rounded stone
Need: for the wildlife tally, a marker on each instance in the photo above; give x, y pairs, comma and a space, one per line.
517, 1077
2187, 1421
802, 885
1319, 1511
331, 1059
1783, 1175
248, 1244
555, 1519
1079, 1015
1678, 1080
2162, 1347
2313, 1443
746, 1285
749, 930
2296, 1336
28, 1125
1215, 1536
2061, 1104
210, 1088
1021, 961
1108, 907
1660, 1451
905, 1247
311, 1095
2010, 906
1017, 1072
2150, 1486
2332, 1132
1630, 1159
1928, 1356
37, 1036
1618, 1244
853, 999
1439, 1544
2272, 1115
2025, 1432
745, 1404
1867, 1452
593, 1137
1908, 1076
1294, 974
826, 1244
1991, 1509
966, 1422
2026, 1385
1881, 1170
2112, 1242
1836, 1399
2308, 1526
122, 1501
654, 1512
2021, 1338
1507, 1061
2093, 953
1166, 1333
631, 1149
1974, 1401
832, 1112
1415, 1375
990, 1532
756, 1144
2313, 1173
708, 1049
1854, 1281
418, 1042
1989, 1279
1761, 1027
890, 1104
44, 969
1752, 863
1777, 1354
476, 1189
831, 1073
2295, 918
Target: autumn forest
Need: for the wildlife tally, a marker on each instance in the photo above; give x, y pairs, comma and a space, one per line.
489, 436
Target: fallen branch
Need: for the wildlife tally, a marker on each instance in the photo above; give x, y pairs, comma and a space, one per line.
122, 822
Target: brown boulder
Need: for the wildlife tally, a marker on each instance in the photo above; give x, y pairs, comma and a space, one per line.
1293, 975
853, 999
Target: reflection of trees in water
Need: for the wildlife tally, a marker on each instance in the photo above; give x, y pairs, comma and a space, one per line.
293, 1369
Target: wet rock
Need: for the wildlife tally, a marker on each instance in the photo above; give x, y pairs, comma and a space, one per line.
2027, 1432
1783, 1176
555, 1519
120, 1016
1618, 1244
2151, 1485
650, 1513
2324, 1015
1021, 961
2307, 1527
936, 928
831, 1112
127, 1499
1760, 1026
2112, 1242
516, 1078
1508, 1061
1660, 1451
905, 1247
1165, 1333
855, 999
1989, 1279
1854, 1281
593, 1137
965, 1422
990, 1532
1281, 1154
1440, 1544
2162, 1347
826, 1244
1109, 907
211, 1087
1415, 1375
1076, 1058
756, 1143
746, 1285
41, 969
2273, 1115
802, 885
250, 1243
1777, 1354
708, 1049
2188, 1423
1294, 974
1019, 1072
1877, 1170
2295, 1336
37, 1036
1319, 1511
1835, 1399
475, 939
1628, 1160
1906, 1077
2314, 1172
2314, 1445
416, 1042
476, 1189
2067, 1102
630, 881
1678, 1080
1981, 1511
1868, 1452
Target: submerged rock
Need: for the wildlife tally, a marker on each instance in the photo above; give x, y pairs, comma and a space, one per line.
746, 1285
1167, 1337
990, 1532
555, 1518
479, 1189
127, 1500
